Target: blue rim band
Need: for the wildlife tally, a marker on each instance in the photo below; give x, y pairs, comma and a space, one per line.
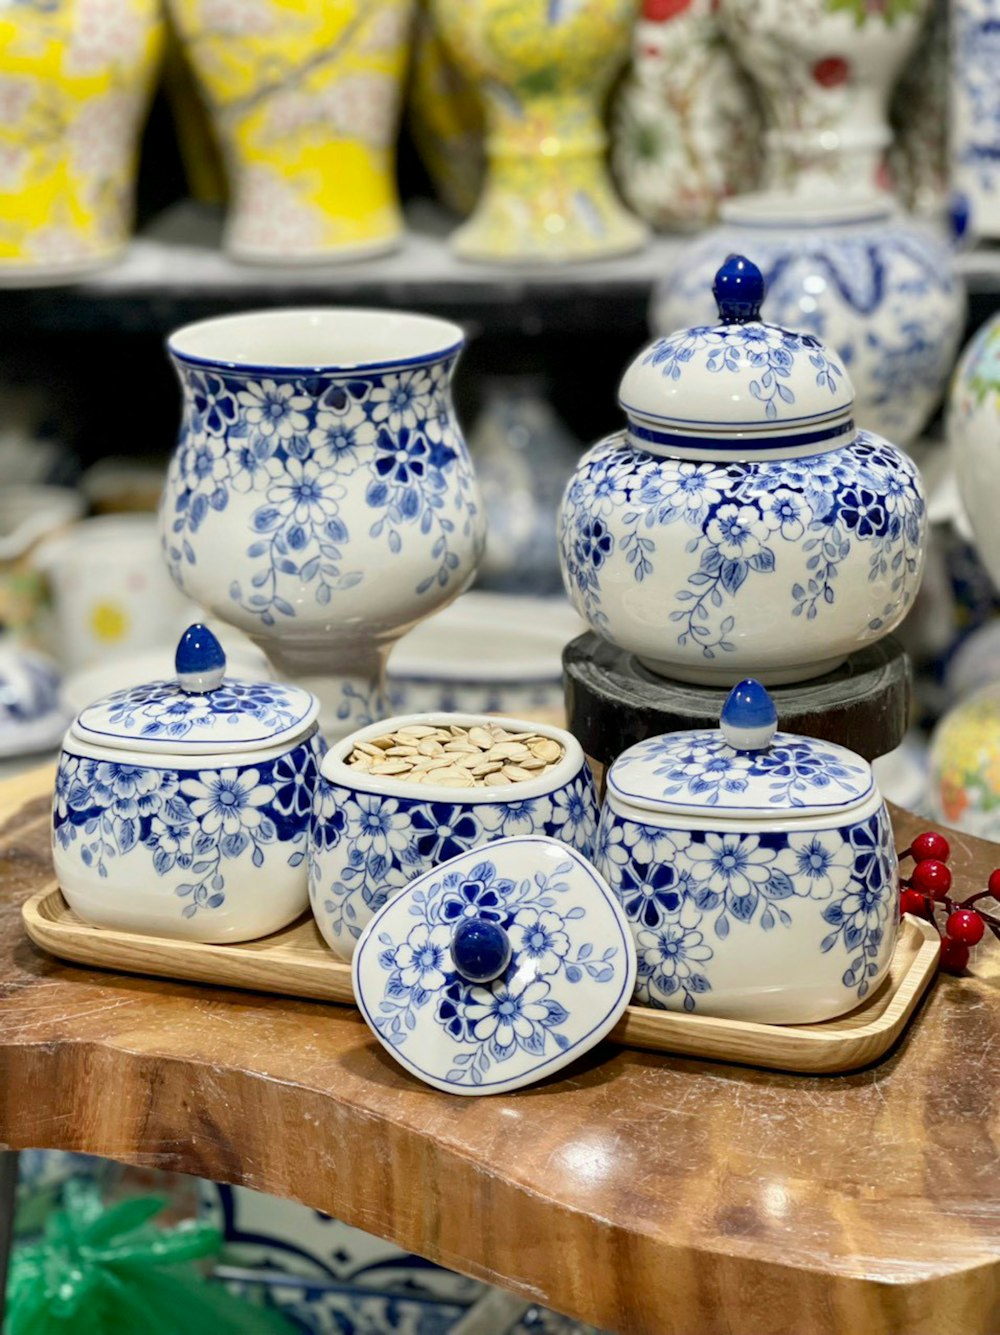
744, 443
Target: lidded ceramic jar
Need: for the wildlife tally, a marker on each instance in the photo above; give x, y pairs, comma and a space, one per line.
741, 525
181, 807
756, 869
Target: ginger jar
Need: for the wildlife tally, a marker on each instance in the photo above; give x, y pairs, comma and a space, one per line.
741, 525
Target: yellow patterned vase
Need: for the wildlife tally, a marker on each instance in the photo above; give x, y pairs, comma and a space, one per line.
75, 83
544, 68
305, 97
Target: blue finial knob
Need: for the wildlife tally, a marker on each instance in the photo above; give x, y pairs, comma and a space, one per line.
199, 660
749, 719
480, 950
739, 290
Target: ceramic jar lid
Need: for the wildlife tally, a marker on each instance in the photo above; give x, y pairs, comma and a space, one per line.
200, 711
31, 718
740, 389
497, 968
743, 768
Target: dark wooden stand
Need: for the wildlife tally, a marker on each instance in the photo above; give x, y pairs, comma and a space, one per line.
612, 701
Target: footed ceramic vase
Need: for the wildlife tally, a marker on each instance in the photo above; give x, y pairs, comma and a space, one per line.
685, 130
975, 111
321, 498
305, 96
741, 525
877, 287
974, 434
543, 68
825, 70
76, 77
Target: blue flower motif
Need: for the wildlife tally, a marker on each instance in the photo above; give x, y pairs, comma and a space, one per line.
513, 1014
593, 542
863, 512
443, 831
539, 935
480, 895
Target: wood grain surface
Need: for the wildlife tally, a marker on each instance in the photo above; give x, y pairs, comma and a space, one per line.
642, 1192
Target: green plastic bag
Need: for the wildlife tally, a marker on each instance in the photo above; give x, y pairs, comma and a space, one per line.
110, 1271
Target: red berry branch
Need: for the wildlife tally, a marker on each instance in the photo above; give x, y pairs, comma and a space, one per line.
925, 894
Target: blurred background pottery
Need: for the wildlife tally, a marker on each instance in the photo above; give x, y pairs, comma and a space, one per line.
877, 287
974, 434
76, 78
321, 498
29, 514
32, 717
543, 68
685, 127
825, 70
975, 112
305, 98
919, 113
964, 780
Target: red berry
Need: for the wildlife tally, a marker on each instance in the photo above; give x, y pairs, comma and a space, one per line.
931, 878
993, 884
967, 926
659, 11
912, 901
930, 844
831, 71
954, 955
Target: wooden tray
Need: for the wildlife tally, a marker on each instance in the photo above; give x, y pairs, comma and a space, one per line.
296, 962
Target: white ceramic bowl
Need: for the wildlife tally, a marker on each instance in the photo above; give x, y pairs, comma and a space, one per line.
373, 833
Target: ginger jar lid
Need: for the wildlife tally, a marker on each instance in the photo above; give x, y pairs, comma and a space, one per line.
199, 711
745, 767
497, 968
741, 389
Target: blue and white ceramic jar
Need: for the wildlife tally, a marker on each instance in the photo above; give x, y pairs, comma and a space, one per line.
975, 111
321, 497
372, 834
877, 287
741, 525
756, 868
181, 807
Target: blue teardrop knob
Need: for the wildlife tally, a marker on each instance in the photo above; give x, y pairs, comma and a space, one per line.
749, 719
480, 950
199, 660
739, 290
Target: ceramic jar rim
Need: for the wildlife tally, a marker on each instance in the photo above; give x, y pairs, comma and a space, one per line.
779, 210
754, 820
238, 757
431, 340
335, 769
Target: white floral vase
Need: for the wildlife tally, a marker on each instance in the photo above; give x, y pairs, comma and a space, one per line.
825, 70
675, 152
321, 498
741, 525
975, 111
877, 287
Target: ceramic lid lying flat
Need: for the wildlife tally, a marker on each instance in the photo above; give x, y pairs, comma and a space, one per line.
201, 710
496, 969
740, 389
743, 768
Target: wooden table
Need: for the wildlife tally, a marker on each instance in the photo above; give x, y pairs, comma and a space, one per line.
642, 1193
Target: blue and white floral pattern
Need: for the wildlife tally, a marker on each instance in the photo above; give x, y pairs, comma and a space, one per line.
792, 521
685, 892
365, 847
975, 130
194, 823
327, 460
701, 769
235, 710
881, 295
769, 353
527, 1010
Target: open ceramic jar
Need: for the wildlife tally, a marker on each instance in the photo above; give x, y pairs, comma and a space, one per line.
742, 526
756, 868
372, 834
181, 807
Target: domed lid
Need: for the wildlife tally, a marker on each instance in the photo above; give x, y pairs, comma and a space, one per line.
740, 389
745, 767
497, 968
201, 710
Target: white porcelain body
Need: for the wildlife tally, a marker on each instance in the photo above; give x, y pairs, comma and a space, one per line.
974, 434
371, 834
200, 848
877, 288
975, 111
727, 922
714, 571
675, 152
825, 73
321, 497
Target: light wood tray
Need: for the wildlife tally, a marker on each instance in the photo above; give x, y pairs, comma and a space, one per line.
296, 962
